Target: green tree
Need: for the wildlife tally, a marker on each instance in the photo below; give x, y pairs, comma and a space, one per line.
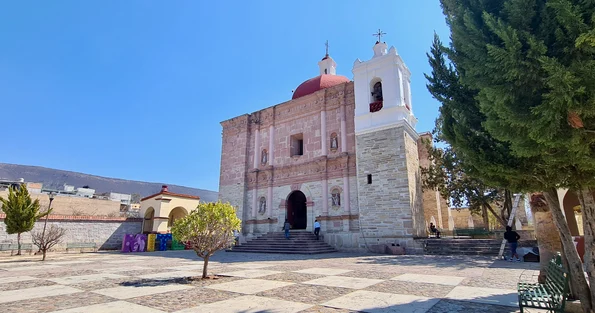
532, 66
447, 175
209, 228
21, 212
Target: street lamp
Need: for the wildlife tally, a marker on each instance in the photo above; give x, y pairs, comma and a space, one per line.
51, 194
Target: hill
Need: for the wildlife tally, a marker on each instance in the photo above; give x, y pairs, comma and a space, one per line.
55, 179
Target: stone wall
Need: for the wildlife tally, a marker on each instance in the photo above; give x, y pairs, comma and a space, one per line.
461, 218
106, 232
415, 185
385, 205
64, 205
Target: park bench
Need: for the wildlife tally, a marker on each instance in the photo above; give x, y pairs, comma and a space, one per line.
12, 247
81, 246
551, 295
471, 232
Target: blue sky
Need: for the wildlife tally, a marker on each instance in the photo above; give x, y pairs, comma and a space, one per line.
137, 89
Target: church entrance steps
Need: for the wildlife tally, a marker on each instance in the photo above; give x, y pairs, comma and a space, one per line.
445, 246
299, 242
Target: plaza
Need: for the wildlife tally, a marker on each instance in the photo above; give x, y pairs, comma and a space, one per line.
169, 281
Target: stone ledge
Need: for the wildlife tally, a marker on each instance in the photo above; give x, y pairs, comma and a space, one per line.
338, 217
82, 218
267, 221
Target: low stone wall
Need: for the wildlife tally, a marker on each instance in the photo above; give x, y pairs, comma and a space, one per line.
107, 232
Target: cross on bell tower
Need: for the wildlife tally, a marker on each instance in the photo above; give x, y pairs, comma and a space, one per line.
379, 34
326, 45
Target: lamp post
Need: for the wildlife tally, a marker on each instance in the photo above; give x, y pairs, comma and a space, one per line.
51, 194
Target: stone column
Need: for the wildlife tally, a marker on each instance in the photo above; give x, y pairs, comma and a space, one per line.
271, 145
323, 138
346, 198
439, 207
324, 196
270, 199
343, 130
256, 147
254, 202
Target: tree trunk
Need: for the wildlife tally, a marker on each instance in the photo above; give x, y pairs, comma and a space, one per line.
548, 238
588, 209
43, 258
575, 266
484, 215
19, 243
204, 267
489, 207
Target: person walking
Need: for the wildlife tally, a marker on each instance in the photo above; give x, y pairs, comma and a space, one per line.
286, 228
512, 237
317, 229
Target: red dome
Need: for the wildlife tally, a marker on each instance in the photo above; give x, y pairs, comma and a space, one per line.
312, 85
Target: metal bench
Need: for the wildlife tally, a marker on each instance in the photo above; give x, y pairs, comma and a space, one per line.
12, 247
471, 232
551, 295
81, 246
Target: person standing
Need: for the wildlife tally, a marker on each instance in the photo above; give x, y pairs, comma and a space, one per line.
512, 237
286, 228
317, 229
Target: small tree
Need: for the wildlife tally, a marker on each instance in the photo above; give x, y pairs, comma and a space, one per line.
21, 212
209, 228
52, 237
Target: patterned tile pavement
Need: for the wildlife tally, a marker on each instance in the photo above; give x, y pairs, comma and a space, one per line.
167, 281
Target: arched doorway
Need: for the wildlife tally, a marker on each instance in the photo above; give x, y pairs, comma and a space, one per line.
175, 214
297, 214
569, 202
148, 220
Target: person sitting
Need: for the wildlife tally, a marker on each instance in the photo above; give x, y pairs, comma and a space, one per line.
434, 230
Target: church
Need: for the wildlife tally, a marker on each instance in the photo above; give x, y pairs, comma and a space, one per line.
343, 152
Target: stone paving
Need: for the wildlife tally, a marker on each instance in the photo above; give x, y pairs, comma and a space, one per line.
168, 281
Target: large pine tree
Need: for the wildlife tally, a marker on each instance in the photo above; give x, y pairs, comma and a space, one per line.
532, 65
482, 160
21, 212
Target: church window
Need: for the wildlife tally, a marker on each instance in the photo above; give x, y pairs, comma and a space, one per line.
334, 142
336, 197
369, 179
297, 145
262, 205
326, 71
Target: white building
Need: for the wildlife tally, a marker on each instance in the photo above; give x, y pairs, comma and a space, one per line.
123, 198
85, 192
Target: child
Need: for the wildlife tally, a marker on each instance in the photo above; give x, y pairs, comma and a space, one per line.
512, 237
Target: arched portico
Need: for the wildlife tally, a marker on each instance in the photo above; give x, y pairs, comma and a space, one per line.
161, 210
148, 220
176, 214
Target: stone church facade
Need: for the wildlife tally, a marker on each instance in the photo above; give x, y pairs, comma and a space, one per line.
344, 152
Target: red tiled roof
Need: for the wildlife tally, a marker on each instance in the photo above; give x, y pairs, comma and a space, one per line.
320, 82
167, 193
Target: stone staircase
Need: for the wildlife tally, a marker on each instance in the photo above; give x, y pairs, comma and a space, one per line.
300, 242
446, 246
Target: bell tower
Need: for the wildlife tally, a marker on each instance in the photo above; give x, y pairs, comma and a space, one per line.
388, 175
